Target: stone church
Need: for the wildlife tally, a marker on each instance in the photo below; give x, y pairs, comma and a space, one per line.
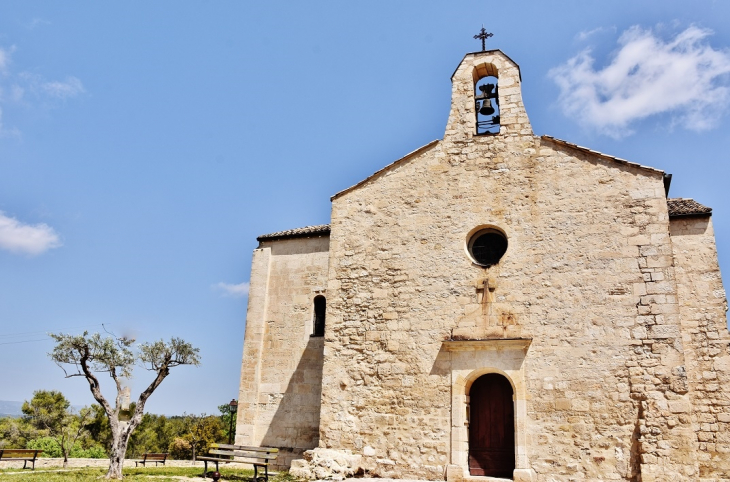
493, 304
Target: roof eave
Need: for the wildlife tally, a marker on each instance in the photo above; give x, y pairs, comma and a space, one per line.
263, 239
380, 172
586, 150
691, 215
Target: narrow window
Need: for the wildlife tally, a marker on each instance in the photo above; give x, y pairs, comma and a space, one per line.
320, 306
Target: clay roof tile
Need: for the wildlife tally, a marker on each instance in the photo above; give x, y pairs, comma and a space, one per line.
305, 232
686, 207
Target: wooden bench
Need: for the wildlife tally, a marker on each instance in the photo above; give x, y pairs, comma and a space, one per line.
156, 458
256, 456
26, 455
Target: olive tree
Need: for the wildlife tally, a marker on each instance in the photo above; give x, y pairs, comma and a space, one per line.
87, 355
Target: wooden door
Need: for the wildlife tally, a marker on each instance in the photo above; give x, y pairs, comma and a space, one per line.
491, 427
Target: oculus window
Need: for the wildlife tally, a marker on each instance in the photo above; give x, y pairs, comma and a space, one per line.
487, 246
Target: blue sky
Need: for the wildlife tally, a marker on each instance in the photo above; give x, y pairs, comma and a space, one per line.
144, 146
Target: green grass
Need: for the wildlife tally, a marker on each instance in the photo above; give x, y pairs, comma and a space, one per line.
131, 474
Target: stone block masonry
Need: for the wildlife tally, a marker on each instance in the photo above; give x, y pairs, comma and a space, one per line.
606, 314
281, 373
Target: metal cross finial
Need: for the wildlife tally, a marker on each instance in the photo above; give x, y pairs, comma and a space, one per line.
483, 35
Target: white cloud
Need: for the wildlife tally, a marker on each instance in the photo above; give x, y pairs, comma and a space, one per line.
585, 34
63, 90
18, 237
233, 290
5, 58
683, 77
30, 89
36, 22
7, 132
45, 89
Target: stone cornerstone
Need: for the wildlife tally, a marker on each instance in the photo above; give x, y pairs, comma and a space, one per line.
497, 304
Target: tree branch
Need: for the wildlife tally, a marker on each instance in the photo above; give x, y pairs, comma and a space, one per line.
94, 383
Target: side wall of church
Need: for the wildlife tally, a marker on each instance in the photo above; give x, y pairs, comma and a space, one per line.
702, 308
281, 373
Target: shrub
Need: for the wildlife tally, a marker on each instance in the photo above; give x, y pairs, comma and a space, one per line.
180, 449
50, 448
94, 452
48, 445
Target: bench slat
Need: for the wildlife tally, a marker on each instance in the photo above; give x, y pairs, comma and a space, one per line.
248, 449
229, 460
248, 460
238, 453
152, 457
242, 460
19, 453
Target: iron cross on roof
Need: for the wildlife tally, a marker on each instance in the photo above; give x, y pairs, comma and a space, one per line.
483, 35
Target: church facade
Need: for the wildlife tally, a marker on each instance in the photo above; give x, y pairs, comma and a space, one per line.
495, 303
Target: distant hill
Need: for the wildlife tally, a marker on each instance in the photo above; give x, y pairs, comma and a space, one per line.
12, 409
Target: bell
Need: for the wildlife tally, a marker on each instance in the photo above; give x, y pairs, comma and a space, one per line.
486, 108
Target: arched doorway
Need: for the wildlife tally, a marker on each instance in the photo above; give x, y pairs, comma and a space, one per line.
491, 427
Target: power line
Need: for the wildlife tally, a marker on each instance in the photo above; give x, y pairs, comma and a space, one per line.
24, 341
35, 334
46, 331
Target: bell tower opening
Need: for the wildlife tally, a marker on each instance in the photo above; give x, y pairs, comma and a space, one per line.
486, 99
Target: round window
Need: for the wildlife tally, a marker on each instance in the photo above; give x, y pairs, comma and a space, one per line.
487, 246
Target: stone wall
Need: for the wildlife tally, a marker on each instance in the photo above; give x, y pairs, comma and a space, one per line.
702, 307
607, 318
281, 371
588, 277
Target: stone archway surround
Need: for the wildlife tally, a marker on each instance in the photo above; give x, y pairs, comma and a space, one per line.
469, 361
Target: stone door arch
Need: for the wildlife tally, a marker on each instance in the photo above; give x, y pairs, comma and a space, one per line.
491, 427
470, 360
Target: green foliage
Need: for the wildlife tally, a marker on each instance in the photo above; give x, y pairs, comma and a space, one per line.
15, 432
94, 452
159, 354
154, 434
47, 410
102, 354
49, 446
202, 431
180, 449
226, 414
177, 435
98, 427
114, 355
48, 413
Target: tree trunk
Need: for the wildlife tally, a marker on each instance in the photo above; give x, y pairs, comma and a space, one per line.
193, 453
120, 439
63, 443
